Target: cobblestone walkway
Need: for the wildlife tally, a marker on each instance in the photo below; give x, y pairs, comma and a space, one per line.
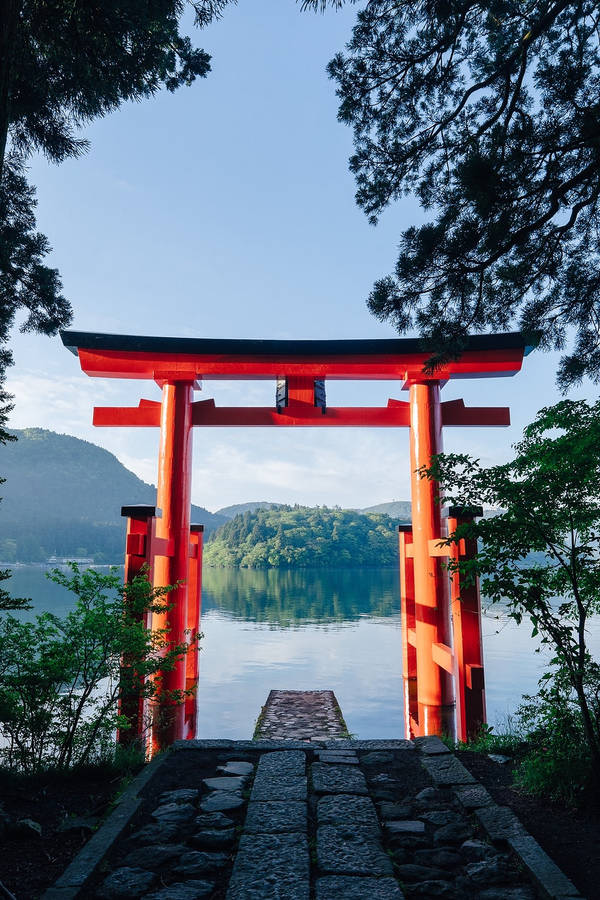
347, 820
301, 716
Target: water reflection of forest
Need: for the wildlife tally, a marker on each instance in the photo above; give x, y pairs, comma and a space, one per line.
289, 597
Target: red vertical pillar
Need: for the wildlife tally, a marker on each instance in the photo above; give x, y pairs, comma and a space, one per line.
141, 523
467, 642
174, 498
194, 613
407, 620
434, 690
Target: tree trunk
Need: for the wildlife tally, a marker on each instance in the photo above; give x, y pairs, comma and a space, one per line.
9, 17
588, 727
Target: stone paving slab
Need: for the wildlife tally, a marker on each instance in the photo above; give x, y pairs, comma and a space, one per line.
502, 892
226, 783
431, 745
279, 787
341, 754
351, 851
332, 779
338, 757
500, 822
347, 809
285, 762
382, 745
472, 796
223, 744
542, 869
127, 882
181, 795
219, 801
197, 863
154, 856
347, 887
213, 839
237, 767
447, 770
185, 890
276, 817
271, 867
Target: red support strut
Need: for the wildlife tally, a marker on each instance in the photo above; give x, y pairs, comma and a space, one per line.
434, 686
194, 613
468, 649
141, 527
407, 614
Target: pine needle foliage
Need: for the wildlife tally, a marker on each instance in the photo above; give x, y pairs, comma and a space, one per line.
488, 113
64, 63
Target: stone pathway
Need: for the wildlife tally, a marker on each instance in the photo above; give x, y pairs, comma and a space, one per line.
301, 716
344, 820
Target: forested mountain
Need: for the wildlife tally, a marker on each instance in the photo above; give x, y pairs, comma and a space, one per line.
63, 497
237, 508
397, 509
304, 537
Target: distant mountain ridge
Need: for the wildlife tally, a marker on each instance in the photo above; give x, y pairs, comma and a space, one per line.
237, 509
63, 497
397, 509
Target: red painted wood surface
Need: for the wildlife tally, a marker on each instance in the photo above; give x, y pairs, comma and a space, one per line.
407, 367
429, 587
174, 498
300, 414
407, 625
194, 614
468, 648
141, 525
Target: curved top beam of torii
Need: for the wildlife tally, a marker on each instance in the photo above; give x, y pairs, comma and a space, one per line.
301, 367
144, 357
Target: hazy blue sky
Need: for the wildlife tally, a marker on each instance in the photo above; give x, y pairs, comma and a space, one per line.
227, 210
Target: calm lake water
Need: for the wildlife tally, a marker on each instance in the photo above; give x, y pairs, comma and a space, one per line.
315, 630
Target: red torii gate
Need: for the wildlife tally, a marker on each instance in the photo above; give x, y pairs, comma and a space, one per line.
441, 634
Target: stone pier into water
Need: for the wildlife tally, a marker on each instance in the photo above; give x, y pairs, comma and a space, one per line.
300, 716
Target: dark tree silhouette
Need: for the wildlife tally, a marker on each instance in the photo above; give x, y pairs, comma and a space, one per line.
489, 113
62, 64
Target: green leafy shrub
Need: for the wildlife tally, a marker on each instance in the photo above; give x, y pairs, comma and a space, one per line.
64, 682
541, 555
509, 739
557, 764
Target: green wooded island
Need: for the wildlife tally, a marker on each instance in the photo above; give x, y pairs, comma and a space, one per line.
304, 537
